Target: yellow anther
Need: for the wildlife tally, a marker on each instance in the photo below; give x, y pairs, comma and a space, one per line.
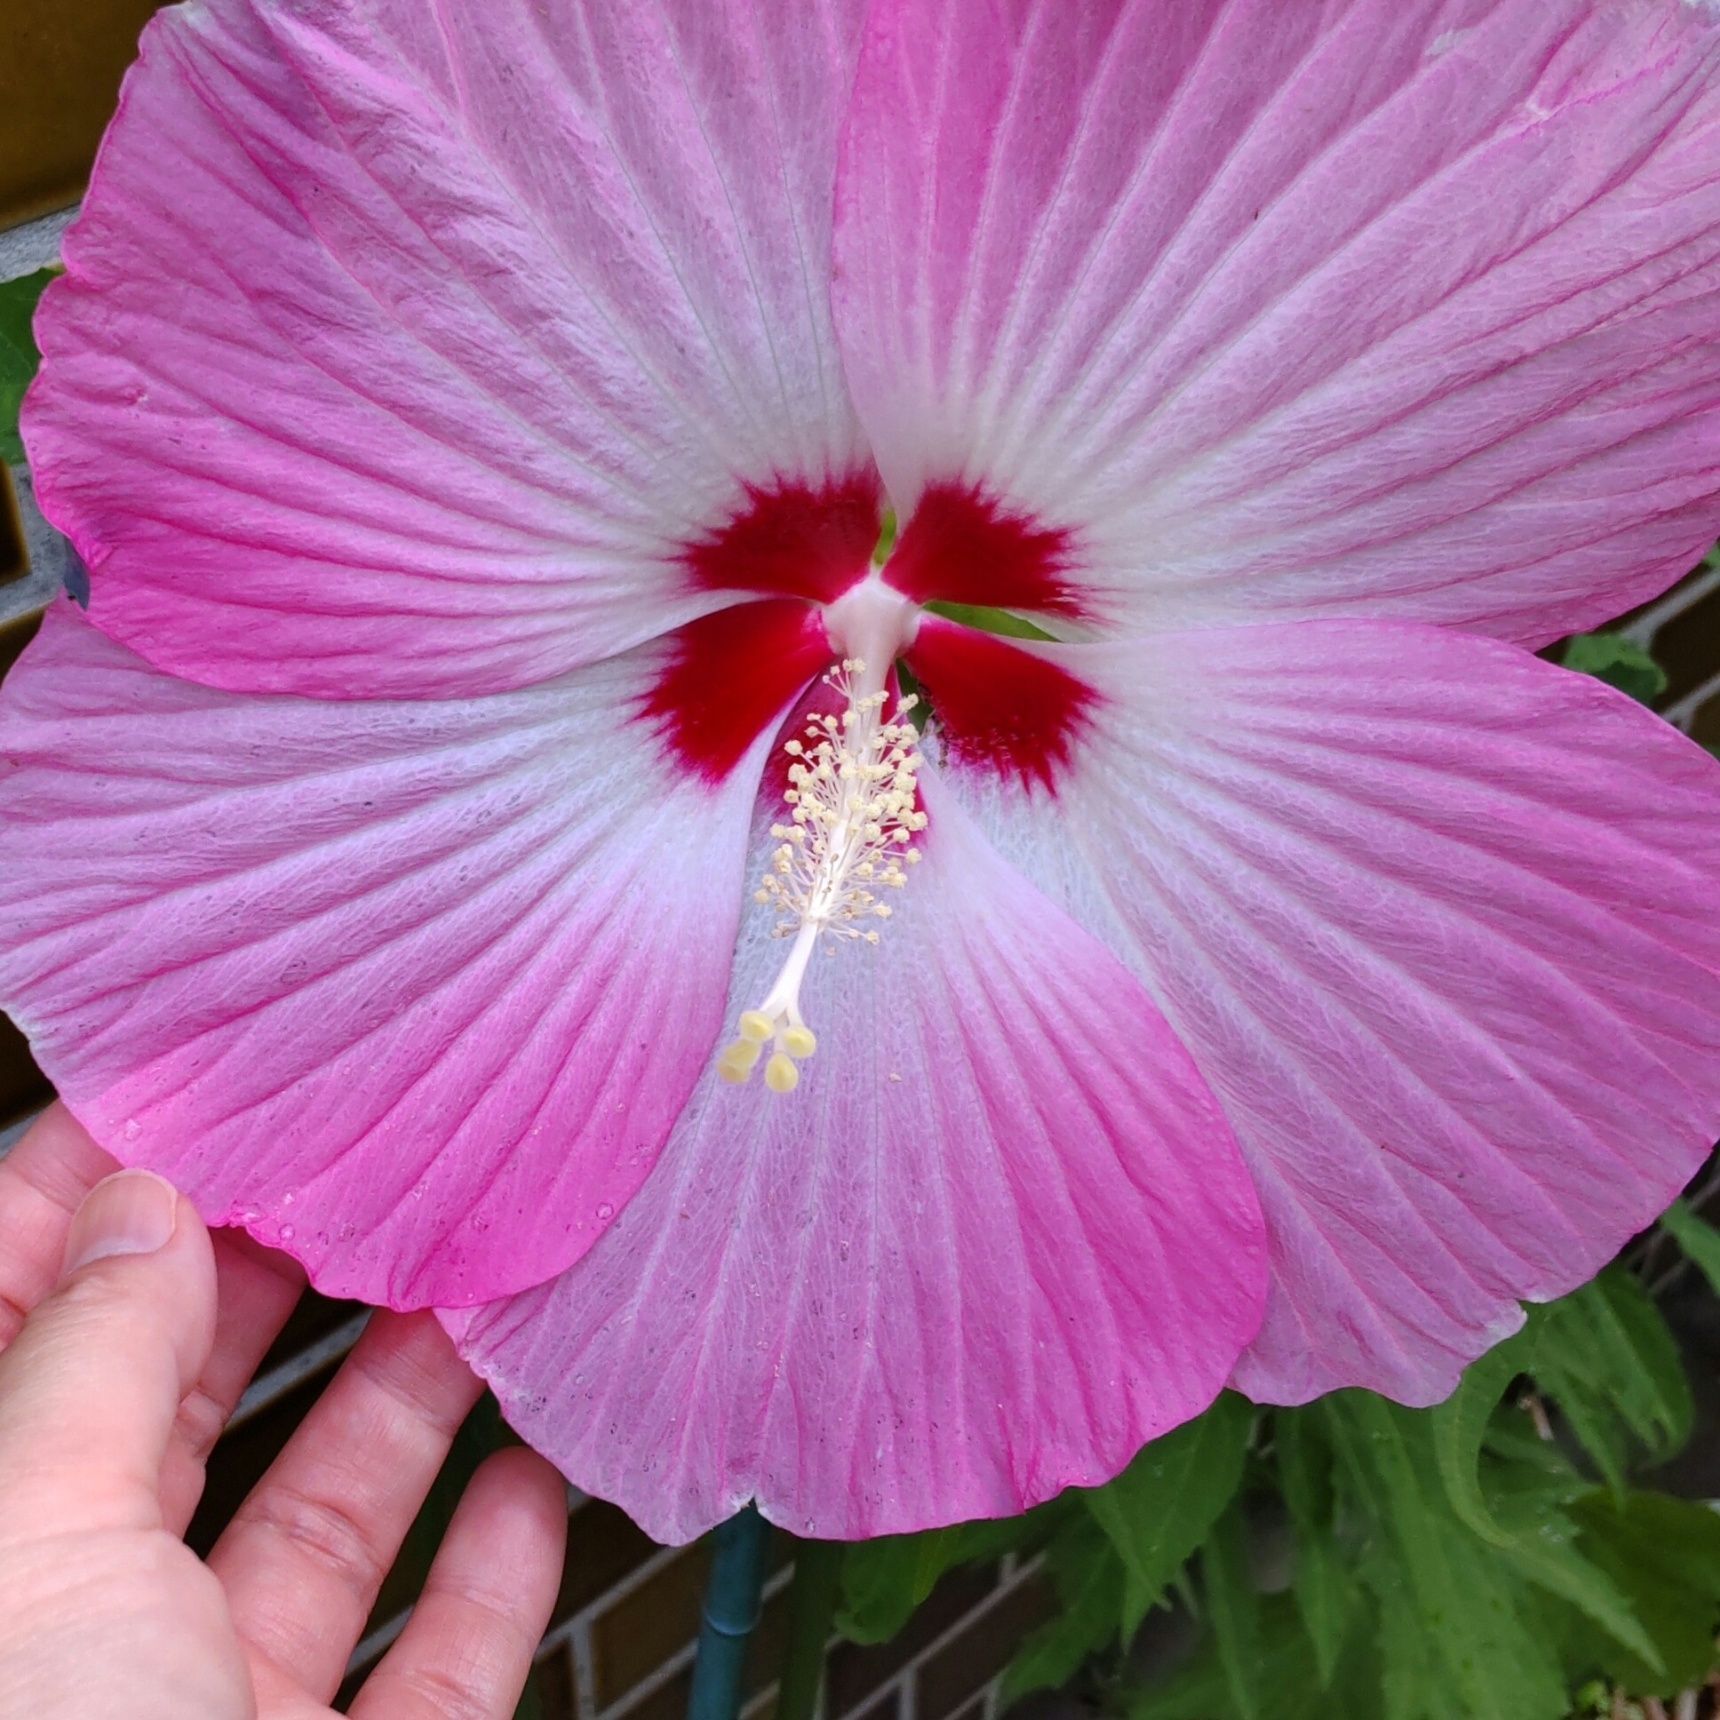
738, 1060
756, 1026
780, 1074
799, 1042
735, 1069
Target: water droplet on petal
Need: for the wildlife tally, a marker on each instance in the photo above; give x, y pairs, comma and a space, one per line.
287, 1233
605, 1212
132, 1128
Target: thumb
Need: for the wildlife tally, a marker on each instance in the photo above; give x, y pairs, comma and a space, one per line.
91, 1386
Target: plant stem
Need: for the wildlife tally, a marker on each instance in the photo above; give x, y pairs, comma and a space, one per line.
811, 1609
733, 1599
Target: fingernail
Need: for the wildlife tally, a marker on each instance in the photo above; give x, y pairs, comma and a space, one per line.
131, 1212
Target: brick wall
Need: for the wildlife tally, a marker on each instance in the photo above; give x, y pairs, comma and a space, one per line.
621, 1642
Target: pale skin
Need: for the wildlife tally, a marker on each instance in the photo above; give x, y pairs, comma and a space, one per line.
117, 1377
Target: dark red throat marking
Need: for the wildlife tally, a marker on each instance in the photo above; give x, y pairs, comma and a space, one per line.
730, 676
793, 539
997, 706
963, 546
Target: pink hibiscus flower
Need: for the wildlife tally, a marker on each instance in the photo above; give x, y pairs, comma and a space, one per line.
478, 423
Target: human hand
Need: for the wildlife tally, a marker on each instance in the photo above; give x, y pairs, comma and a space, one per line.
116, 1379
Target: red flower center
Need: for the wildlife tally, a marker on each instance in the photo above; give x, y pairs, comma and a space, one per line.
806, 551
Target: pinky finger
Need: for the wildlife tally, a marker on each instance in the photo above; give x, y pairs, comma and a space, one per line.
467, 1648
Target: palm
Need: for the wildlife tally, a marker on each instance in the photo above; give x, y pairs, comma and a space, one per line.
127, 1620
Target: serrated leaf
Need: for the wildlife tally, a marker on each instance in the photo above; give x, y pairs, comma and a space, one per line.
19, 357
1459, 1428
1664, 1555
1697, 1237
1088, 1575
1606, 1357
1545, 1551
1529, 1528
1159, 1509
1618, 661
1199, 1691
1485, 1666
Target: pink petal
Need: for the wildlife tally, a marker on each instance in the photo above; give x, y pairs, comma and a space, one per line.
412, 990
997, 1239
410, 350
1403, 306
1438, 922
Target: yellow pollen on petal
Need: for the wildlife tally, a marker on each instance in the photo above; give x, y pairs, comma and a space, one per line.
854, 815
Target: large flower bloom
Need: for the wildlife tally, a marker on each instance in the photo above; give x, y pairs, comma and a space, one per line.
479, 423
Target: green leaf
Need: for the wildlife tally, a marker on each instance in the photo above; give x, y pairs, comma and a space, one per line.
1472, 1653
1407, 1672
1664, 1554
1159, 1509
1618, 661
1545, 1551
1233, 1608
18, 354
1459, 1427
1605, 1356
884, 1581
1535, 1537
1325, 1597
1697, 1237
1322, 1586
1527, 1466
1087, 1575
1304, 1459
1284, 1666
989, 620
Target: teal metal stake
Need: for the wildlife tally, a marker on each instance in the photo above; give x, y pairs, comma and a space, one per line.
734, 1597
